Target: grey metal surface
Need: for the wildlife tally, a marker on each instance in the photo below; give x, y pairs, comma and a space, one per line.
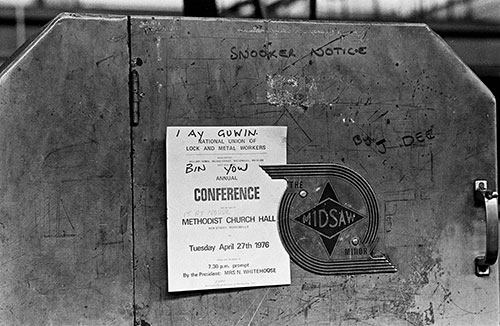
65, 201
389, 101
82, 234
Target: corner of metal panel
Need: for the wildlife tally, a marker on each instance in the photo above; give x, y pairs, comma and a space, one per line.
447, 49
24, 49
32, 42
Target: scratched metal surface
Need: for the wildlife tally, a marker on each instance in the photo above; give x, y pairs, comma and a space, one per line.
65, 201
397, 106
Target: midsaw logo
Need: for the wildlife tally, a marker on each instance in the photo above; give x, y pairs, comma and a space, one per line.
329, 218
324, 231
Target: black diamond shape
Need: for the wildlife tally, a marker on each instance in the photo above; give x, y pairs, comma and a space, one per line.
329, 218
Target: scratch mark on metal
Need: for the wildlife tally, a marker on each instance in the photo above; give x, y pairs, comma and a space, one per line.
319, 48
258, 307
9, 284
66, 213
102, 60
465, 310
13, 259
381, 116
477, 153
298, 125
375, 112
249, 306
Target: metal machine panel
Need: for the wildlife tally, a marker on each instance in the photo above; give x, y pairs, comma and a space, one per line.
382, 110
389, 101
65, 226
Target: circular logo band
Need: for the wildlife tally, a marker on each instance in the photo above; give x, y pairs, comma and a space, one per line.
328, 219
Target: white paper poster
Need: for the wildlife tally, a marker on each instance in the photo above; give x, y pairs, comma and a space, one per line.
222, 208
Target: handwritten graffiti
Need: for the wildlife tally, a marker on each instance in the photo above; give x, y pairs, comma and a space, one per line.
190, 168
369, 141
320, 52
264, 52
418, 137
232, 168
408, 140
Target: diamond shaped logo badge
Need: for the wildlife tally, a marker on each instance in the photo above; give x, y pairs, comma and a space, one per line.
329, 218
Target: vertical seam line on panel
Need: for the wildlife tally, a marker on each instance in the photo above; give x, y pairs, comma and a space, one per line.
132, 194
